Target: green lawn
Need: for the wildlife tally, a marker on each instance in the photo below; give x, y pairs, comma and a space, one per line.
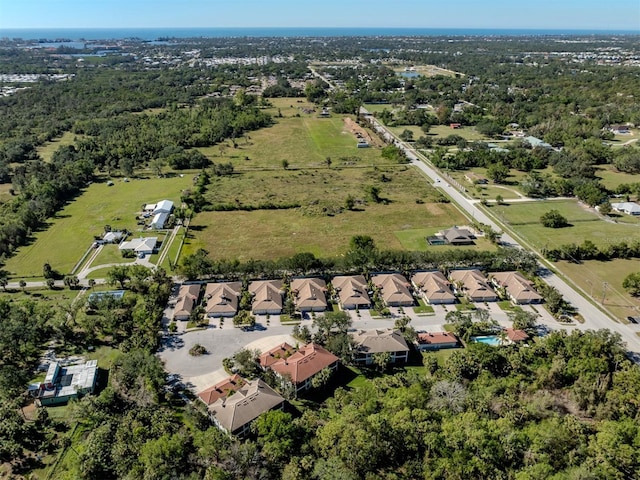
71, 231
422, 308
611, 178
592, 275
524, 218
110, 254
46, 151
416, 240
303, 141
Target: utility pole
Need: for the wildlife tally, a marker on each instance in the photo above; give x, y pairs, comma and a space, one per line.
604, 291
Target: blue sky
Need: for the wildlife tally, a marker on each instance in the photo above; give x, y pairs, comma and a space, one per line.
548, 14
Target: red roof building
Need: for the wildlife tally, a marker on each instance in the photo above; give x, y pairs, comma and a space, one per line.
222, 389
435, 341
268, 358
304, 364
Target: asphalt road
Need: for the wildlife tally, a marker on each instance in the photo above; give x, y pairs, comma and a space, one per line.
594, 318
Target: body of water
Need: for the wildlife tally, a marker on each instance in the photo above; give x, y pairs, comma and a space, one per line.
75, 34
492, 340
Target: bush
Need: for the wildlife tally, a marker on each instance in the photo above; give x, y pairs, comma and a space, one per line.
197, 350
553, 219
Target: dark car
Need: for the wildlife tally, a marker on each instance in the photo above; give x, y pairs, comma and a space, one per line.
634, 319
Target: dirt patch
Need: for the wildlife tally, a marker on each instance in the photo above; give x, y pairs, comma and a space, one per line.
359, 132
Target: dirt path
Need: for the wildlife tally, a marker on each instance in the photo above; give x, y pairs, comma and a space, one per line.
357, 130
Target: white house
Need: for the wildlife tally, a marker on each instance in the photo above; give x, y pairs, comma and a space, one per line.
159, 220
163, 206
144, 245
630, 208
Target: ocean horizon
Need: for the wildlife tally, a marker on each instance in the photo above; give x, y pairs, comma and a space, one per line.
149, 34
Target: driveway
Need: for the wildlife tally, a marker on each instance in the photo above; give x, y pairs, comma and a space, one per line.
220, 343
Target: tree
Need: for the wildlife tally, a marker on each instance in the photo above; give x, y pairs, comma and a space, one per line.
22, 284
522, 320
605, 207
285, 164
321, 378
373, 193
244, 319
498, 172
406, 135
157, 165
91, 283
71, 281
328, 162
350, 202
553, 219
47, 271
4, 279
381, 360
118, 274
51, 283
126, 166
631, 284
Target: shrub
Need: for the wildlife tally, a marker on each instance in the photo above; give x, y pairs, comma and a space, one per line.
553, 219
197, 350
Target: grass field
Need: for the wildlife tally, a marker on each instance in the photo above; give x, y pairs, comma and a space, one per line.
524, 218
71, 231
304, 141
46, 151
319, 225
611, 178
592, 275
272, 234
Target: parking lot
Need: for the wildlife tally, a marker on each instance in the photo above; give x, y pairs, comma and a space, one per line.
223, 341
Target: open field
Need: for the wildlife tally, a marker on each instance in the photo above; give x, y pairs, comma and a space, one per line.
379, 107
320, 188
591, 276
524, 218
46, 151
611, 178
271, 234
304, 141
71, 231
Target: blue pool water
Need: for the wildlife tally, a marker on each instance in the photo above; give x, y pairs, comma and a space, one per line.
492, 340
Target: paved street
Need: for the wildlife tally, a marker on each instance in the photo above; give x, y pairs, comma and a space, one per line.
594, 318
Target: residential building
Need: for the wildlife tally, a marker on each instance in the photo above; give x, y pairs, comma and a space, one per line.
142, 245
433, 287
112, 237
268, 358
222, 389
435, 341
159, 220
536, 142
300, 367
630, 208
309, 294
267, 297
458, 236
473, 284
235, 413
516, 336
187, 300
221, 299
370, 342
352, 291
62, 383
163, 206
517, 287
394, 289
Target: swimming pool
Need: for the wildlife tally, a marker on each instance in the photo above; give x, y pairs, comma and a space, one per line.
492, 340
